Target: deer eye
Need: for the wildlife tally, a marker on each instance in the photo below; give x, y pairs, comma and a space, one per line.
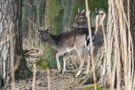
45, 35
81, 18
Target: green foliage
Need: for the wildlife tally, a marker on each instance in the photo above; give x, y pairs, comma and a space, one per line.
96, 5
49, 55
43, 63
48, 59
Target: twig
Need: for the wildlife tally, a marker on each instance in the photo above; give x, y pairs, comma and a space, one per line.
48, 78
34, 76
90, 33
12, 57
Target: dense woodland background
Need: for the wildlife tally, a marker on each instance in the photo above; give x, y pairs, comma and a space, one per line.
21, 50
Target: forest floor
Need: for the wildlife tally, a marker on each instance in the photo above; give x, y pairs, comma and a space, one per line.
67, 81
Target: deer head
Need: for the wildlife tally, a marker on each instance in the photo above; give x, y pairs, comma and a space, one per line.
44, 35
80, 19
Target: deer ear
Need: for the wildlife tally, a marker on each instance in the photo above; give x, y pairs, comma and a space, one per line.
101, 12
83, 11
78, 10
40, 29
48, 29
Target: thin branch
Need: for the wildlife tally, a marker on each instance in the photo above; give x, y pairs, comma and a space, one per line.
90, 33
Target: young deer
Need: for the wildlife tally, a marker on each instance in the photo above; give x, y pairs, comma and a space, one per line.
66, 42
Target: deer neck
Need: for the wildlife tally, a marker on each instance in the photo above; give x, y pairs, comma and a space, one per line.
53, 41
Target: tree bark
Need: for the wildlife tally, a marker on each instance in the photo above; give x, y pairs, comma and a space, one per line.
5, 21
133, 21
10, 16
22, 71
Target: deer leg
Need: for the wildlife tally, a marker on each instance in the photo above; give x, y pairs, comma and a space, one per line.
82, 57
64, 65
88, 62
88, 65
80, 69
58, 62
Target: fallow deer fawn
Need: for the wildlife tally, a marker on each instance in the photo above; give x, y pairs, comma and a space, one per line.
66, 42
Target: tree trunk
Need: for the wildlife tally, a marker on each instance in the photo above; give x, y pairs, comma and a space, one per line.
133, 21
22, 71
4, 43
10, 16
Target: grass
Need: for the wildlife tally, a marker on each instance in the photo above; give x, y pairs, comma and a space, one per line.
91, 87
43, 63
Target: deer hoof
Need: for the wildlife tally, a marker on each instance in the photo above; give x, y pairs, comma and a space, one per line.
63, 73
86, 72
60, 71
77, 75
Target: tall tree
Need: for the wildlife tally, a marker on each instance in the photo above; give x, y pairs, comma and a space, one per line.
11, 42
